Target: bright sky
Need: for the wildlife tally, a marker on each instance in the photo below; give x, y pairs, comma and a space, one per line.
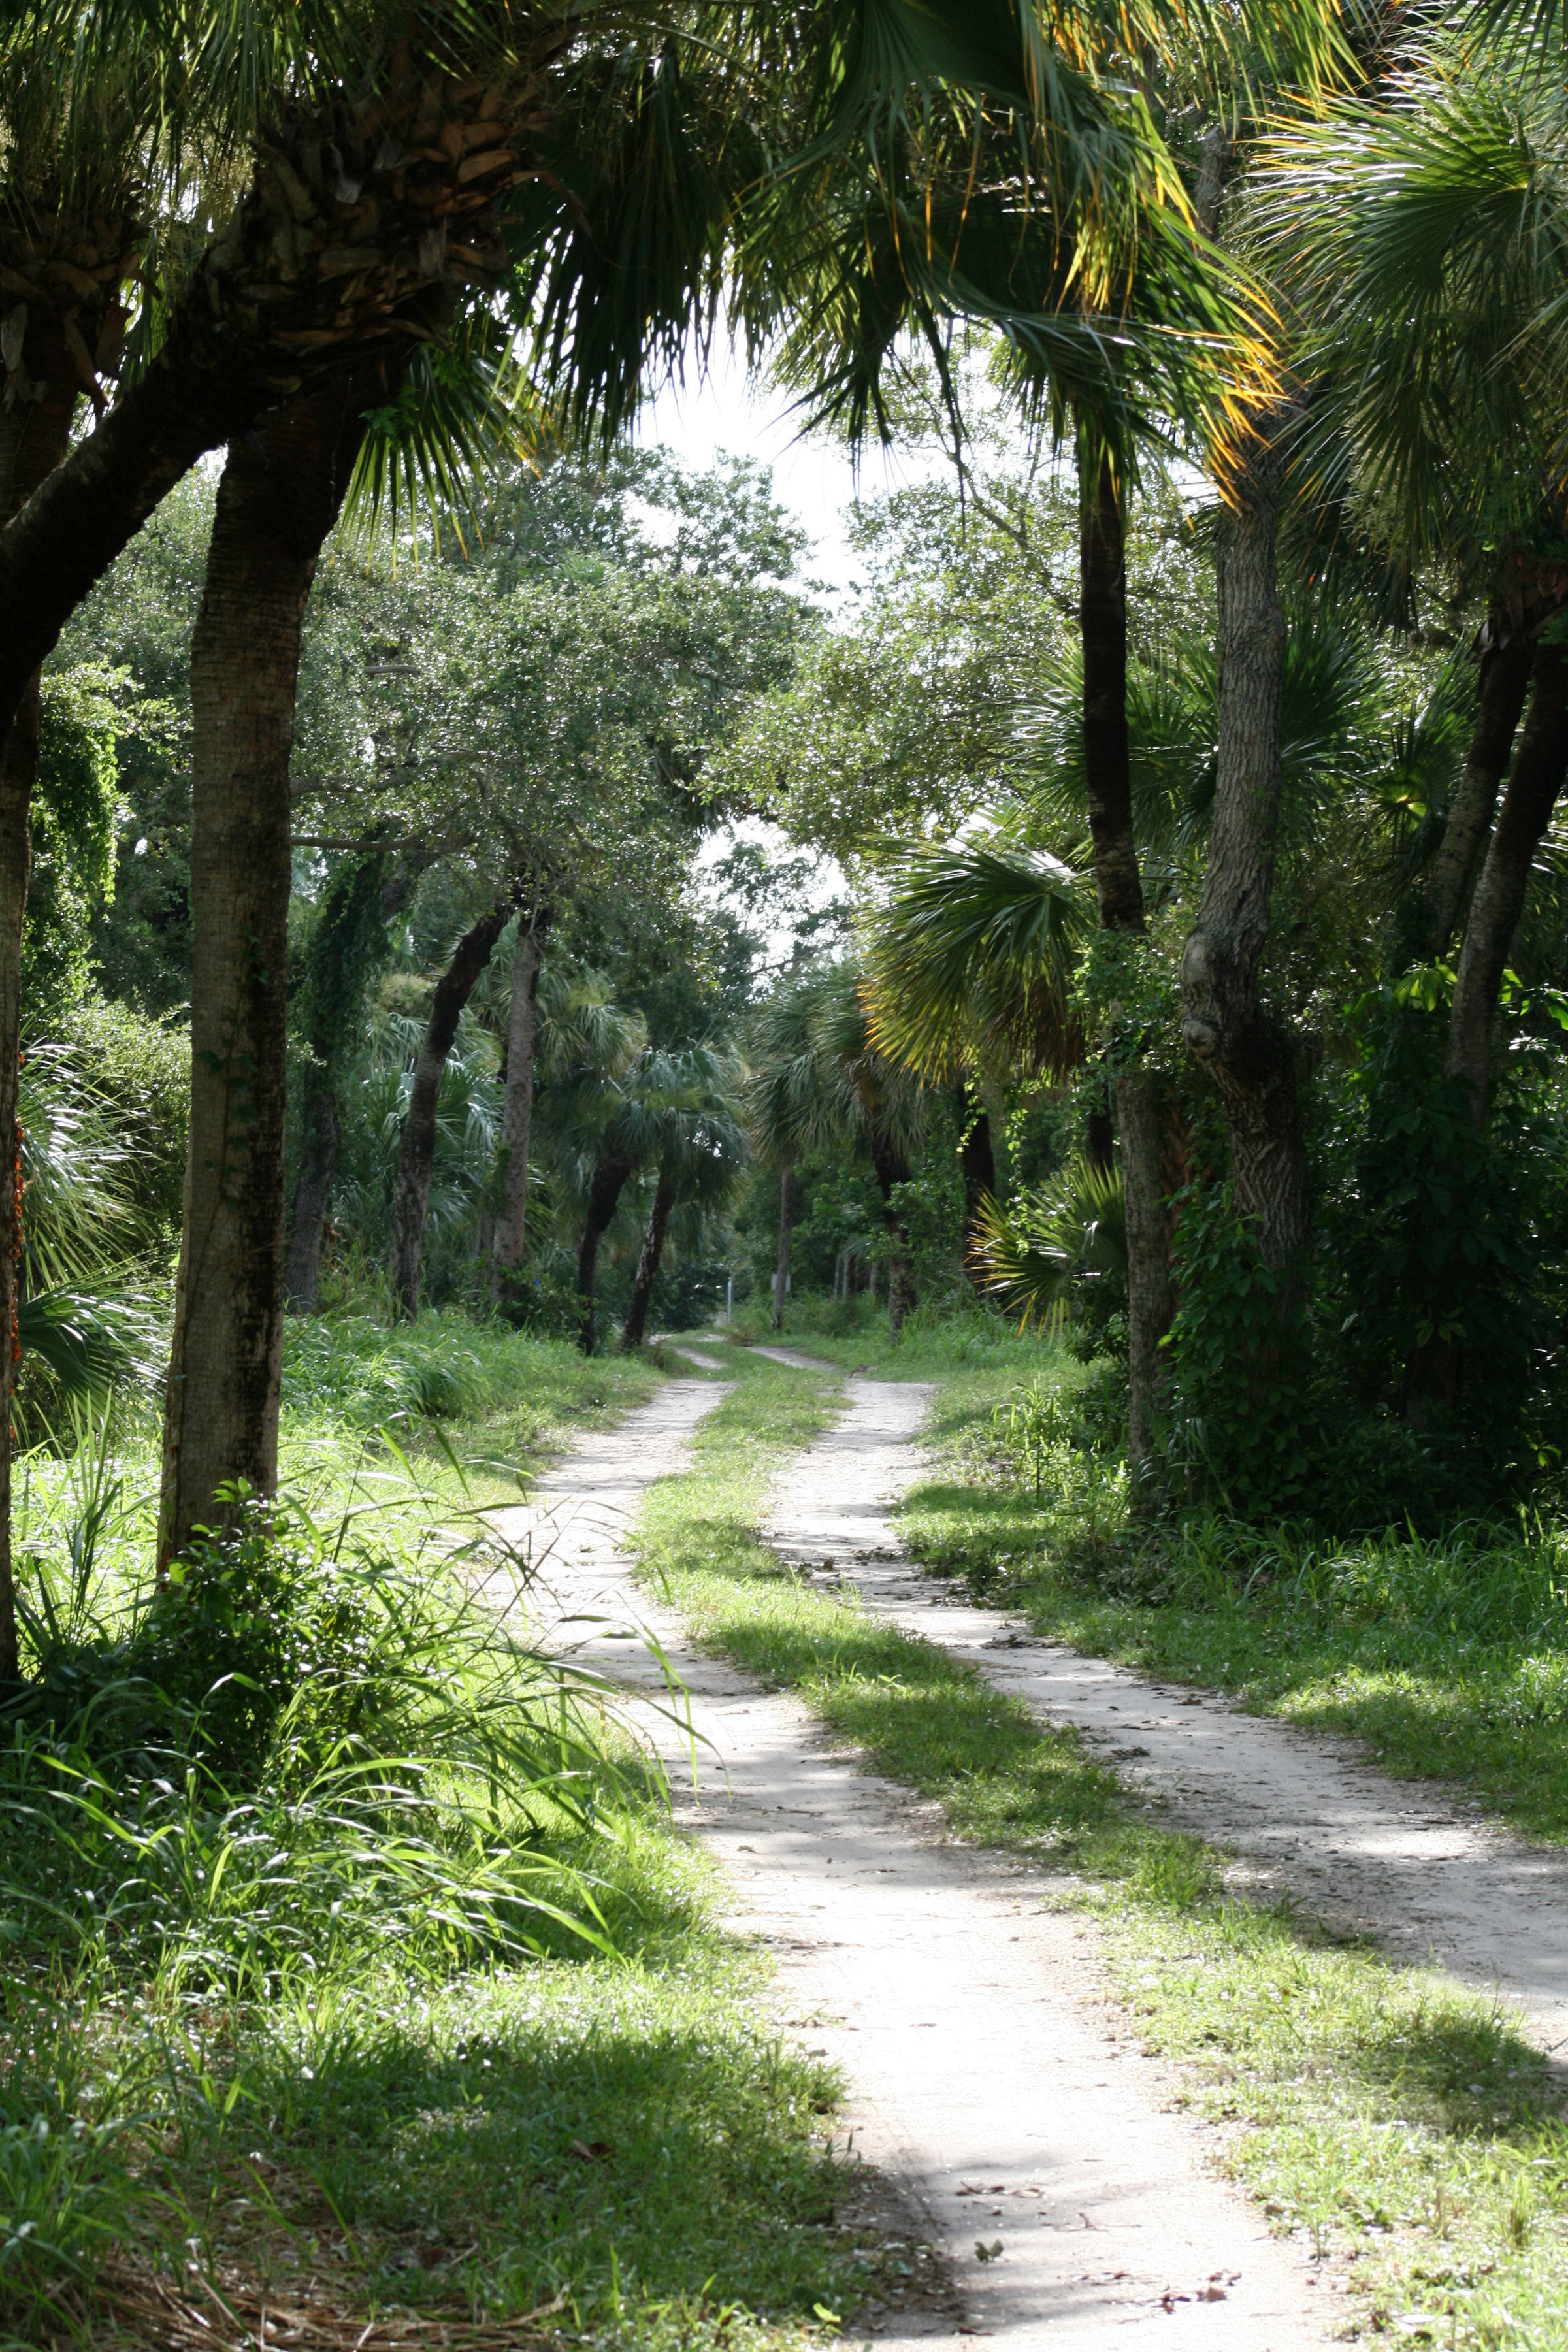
813, 478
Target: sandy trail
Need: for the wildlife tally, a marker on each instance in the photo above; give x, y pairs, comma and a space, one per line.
1405, 1860
987, 2079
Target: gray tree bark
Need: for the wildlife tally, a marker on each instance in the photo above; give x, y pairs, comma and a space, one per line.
1539, 765
510, 1246
1102, 582
278, 497
416, 1149
786, 1181
1249, 1057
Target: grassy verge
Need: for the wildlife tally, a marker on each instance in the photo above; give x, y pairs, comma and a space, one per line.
383, 1985
1449, 1655
1401, 2125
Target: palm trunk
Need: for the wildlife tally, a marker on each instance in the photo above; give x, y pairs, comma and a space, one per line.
1249, 1057
279, 499
652, 1254
1539, 768
509, 1246
1102, 582
313, 1193
1504, 680
1435, 1369
891, 1168
781, 1279
337, 254
611, 1177
417, 1150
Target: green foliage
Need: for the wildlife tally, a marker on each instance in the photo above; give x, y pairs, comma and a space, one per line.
137, 1070
1060, 1247
76, 806
1446, 1236
1249, 1421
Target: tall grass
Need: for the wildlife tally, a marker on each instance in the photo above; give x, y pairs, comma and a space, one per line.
314, 1755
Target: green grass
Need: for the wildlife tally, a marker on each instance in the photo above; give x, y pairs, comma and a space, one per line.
937, 1339
1448, 1655
414, 2141
1403, 2127
325, 2026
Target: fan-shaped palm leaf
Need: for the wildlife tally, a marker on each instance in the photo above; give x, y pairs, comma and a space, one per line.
974, 950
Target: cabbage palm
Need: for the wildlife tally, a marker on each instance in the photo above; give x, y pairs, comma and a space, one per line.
1435, 296
1030, 1256
818, 1082
701, 1153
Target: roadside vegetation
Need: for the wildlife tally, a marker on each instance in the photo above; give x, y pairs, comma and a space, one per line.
352, 1965
473, 899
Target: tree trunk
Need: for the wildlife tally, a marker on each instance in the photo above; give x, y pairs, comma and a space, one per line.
278, 498
978, 1161
891, 1168
336, 254
511, 1243
649, 1263
1099, 1133
611, 1177
1102, 581
1141, 1115
417, 1150
1435, 1372
781, 1279
1539, 768
312, 1194
1504, 680
1249, 1057
1107, 758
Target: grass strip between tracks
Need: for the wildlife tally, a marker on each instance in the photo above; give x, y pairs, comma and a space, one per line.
1401, 2125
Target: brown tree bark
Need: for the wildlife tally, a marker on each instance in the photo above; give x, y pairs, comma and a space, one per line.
1539, 765
1504, 681
1102, 583
510, 1244
312, 1193
611, 1177
341, 250
416, 1149
1249, 1057
781, 1278
278, 498
652, 1253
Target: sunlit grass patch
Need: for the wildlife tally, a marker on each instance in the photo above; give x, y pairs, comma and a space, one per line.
1401, 2125
374, 1974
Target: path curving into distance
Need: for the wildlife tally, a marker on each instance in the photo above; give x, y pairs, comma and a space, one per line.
1405, 1860
996, 2097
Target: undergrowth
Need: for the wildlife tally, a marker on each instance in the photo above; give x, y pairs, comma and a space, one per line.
350, 1956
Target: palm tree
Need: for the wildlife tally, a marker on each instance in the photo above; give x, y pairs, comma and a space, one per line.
347, 945
817, 1082
1432, 297
700, 1155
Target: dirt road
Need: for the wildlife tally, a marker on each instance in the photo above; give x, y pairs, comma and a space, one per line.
1405, 1860
988, 2083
